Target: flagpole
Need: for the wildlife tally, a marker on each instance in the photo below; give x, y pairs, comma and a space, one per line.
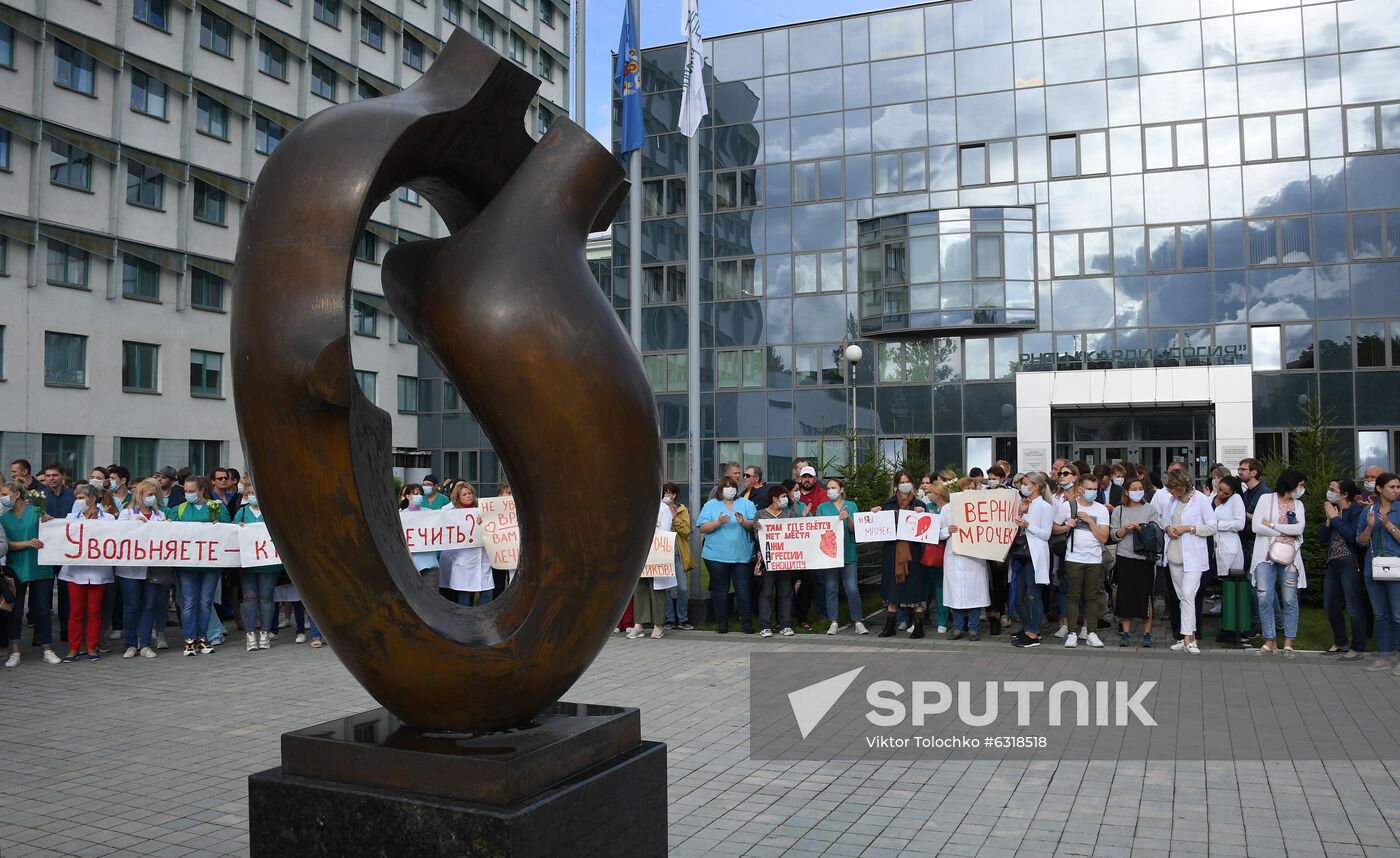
634, 208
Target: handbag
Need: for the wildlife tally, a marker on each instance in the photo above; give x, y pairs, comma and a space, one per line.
1021, 548
1282, 552
9, 588
1385, 568
1148, 541
933, 555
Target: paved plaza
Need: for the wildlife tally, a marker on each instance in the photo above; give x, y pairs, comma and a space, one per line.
150, 758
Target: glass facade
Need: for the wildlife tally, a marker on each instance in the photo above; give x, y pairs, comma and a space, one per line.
971, 190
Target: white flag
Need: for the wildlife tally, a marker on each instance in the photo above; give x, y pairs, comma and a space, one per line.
693, 104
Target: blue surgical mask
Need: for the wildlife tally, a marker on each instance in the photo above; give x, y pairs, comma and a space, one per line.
1137, 495
429, 488
80, 506
151, 501
1091, 495
415, 500
111, 485
7, 502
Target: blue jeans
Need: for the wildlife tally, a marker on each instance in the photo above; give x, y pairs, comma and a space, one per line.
464, 597
678, 597
258, 608
1385, 603
1344, 584
722, 575
967, 619
1265, 576
1032, 603
847, 577
197, 588
140, 604
40, 605
1013, 592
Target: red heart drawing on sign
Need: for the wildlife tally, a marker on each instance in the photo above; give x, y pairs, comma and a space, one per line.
828, 544
923, 527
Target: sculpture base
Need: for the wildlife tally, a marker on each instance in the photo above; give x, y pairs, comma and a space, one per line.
577, 781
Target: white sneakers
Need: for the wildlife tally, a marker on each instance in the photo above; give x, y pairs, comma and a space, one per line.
943, 630
656, 632
1071, 639
788, 632
861, 629
52, 657
251, 641
1094, 640
160, 642
833, 628
634, 632
1183, 646
300, 638
13, 660
130, 652
147, 652
115, 635
264, 640
1062, 631
766, 633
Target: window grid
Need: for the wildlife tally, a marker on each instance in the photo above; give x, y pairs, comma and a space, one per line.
65, 359
1374, 235
736, 189
663, 284
151, 12
211, 117
364, 319
663, 197
822, 180
269, 134
1087, 253
1082, 154
413, 52
209, 203
989, 163
741, 368
148, 95
215, 34
206, 290
140, 367
324, 80
408, 394
1173, 145
206, 373
272, 58
327, 12
145, 186
73, 69
1278, 241
140, 279
68, 265
1372, 128
738, 279
1274, 137
1178, 247
668, 372
367, 249
371, 31
368, 382
69, 166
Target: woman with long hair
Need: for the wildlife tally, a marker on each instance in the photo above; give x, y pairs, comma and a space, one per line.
1038, 521
901, 578
1279, 524
1344, 513
143, 588
1381, 535
1236, 601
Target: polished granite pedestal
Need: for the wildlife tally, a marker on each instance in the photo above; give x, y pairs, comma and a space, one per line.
577, 781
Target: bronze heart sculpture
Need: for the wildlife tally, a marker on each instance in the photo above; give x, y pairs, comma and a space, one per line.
508, 308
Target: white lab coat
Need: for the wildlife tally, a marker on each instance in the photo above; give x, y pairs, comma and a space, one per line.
1195, 551
88, 574
1264, 536
138, 516
664, 522
1040, 518
965, 579
1229, 522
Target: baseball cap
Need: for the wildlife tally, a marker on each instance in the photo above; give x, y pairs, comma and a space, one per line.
807, 472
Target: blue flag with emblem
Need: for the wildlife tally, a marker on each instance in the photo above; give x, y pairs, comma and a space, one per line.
627, 76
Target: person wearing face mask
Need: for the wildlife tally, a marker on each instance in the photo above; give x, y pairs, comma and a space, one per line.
1133, 572
1370, 494
1230, 561
20, 519
1380, 535
198, 584
85, 584
1038, 520
1189, 521
778, 506
901, 575
1344, 582
411, 500
143, 588
1063, 478
937, 500
1117, 477
841, 507
727, 523
432, 498
258, 582
998, 571
966, 584
678, 597
1279, 524
1085, 520
119, 486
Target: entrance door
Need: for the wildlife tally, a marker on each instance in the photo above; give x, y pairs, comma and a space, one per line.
1155, 439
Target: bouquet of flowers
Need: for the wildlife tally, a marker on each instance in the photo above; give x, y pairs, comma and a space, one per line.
36, 499
214, 507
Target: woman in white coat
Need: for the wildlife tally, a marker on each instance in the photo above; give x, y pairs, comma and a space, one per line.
141, 587
1236, 600
1189, 520
1279, 524
966, 585
1038, 522
85, 584
466, 571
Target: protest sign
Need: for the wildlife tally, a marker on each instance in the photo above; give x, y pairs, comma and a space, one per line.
803, 543
441, 529
95, 542
255, 546
986, 523
661, 560
500, 531
915, 526
876, 526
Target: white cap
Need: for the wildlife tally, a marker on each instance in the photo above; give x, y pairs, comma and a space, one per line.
807, 472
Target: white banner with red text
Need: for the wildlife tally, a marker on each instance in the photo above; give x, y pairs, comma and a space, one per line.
803, 543
986, 522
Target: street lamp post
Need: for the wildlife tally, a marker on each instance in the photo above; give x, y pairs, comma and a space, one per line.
852, 354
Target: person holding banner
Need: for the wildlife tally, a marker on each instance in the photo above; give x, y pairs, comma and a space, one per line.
727, 522
142, 590
197, 584
649, 595
678, 614
841, 507
20, 518
966, 581
411, 501
465, 571
258, 582
901, 576
86, 584
936, 500
779, 506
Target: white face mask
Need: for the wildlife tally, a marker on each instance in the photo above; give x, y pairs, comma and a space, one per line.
95, 483
112, 485
1026, 490
729, 493
783, 501
1370, 486
834, 493
668, 498
80, 506
252, 500
906, 488
1298, 493
1333, 495
1118, 481
1137, 495
993, 483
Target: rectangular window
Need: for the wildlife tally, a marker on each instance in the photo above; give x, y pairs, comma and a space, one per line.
73, 69
211, 117
206, 290
4, 148
663, 197
367, 250
138, 454
148, 95
364, 319
1279, 241
515, 48
451, 399
736, 189
139, 366
269, 134
367, 382
666, 372
67, 450
68, 266
65, 360
821, 180
543, 119
1373, 128
452, 12
410, 196
69, 166
205, 456
546, 66
363, 90
741, 368
272, 58
7, 46
371, 31
140, 278
987, 163
408, 394
547, 13
206, 373
327, 12
1081, 254
209, 203
215, 34
152, 12
145, 186
1375, 235
737, 279
485, 29
323, 80
1178, 248
677, 462
663, 284
1082, 154
1179, 145
412, 52
1266, 348
1278, 137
